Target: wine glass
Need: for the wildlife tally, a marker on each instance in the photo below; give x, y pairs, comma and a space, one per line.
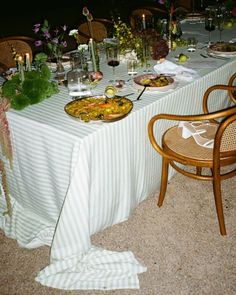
112, 53
220, 19
209, 26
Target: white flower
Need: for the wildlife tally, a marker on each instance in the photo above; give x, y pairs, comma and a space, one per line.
83, 47
128, 55
73, 32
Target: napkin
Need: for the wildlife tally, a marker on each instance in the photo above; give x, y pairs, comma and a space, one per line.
195, 129
181, 72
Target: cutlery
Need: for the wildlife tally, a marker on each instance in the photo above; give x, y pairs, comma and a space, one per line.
218, 57
167, 75
125, 95
141, 93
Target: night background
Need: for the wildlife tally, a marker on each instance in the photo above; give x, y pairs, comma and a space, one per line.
18, 18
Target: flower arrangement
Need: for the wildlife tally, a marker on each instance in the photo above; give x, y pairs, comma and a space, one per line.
169, 4
35, 87
81, 47
128, 40
89, 17
52, 39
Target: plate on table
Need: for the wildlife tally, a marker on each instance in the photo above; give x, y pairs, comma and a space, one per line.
194, 17
226, 49
99, 108
154, 82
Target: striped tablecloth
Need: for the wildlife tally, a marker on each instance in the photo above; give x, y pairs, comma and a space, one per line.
72, 179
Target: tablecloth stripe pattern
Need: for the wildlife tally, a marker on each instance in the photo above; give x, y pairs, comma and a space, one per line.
72, 179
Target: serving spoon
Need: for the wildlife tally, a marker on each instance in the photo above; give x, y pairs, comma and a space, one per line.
141, 93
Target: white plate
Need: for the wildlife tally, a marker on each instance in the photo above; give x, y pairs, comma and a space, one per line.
139, 84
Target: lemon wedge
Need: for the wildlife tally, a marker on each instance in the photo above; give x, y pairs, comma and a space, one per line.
110, 91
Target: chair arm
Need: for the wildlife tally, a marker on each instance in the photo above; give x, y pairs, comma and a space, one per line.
232, 94
228, 88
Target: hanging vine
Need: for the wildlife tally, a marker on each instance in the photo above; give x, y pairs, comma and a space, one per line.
6, 150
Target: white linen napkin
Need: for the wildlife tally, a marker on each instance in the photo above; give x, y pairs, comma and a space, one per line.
181, 72
195, 129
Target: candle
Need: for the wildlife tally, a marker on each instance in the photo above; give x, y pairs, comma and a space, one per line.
27, 62
144, 22
93, 55
21, 68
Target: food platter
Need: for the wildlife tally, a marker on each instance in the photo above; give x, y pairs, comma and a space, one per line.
99, 108
223, 49
154, 82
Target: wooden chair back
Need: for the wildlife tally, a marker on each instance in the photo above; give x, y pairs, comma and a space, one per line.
99, 32
6, 54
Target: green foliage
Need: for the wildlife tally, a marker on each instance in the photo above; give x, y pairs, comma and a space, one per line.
40, 59
34, 89
127, 39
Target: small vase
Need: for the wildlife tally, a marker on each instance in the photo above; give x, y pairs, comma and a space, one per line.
59, 66
60, 70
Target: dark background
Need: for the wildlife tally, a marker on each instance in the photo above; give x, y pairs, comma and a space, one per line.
19, 17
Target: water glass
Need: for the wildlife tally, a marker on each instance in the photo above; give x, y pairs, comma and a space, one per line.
132, 66
78, 83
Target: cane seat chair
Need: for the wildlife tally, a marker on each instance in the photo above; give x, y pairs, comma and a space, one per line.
99, 31
6, 54
175, 150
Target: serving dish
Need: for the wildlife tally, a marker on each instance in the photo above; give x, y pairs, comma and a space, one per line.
223, 48
154, 82
99, 108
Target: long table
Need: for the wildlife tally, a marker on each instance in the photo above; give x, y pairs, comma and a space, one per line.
72, 179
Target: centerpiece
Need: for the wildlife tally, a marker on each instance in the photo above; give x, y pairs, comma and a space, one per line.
30, 87
52, 41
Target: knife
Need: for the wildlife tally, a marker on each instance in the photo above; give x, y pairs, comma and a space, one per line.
217, 56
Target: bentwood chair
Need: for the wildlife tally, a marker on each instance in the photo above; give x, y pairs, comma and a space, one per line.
181, 147
7, 47
137, 14
99, 32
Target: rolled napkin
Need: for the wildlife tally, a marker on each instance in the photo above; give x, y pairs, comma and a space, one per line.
181, 72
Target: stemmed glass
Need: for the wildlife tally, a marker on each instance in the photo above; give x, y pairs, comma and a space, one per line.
209, 25
220, 21
112, 53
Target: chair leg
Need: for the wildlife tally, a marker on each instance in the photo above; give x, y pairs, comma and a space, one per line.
198, 170
164, 180
218, 203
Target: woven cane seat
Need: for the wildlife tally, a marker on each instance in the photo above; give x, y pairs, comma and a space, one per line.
188, 147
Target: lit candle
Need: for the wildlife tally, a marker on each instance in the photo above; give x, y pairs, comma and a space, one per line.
21, 68
144, 22
27, 62
93, 55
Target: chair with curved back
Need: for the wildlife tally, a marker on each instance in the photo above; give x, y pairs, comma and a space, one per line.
138, 13
181, 145
98, 28
20, 46
181, 12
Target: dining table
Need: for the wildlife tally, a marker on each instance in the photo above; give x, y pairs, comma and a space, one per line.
71, 179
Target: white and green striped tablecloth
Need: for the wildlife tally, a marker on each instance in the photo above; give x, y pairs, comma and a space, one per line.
72, 179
